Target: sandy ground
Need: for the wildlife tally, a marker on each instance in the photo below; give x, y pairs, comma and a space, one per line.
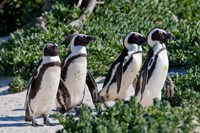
12, 111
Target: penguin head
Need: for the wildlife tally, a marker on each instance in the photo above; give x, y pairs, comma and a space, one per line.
133, 38
158, 35
81, 40
51, 49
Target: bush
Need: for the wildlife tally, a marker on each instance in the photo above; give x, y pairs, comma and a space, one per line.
16, 13
17, 85
109, 23
130, 117
173, 116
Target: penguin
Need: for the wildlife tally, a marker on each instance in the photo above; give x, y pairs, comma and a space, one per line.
73, 74
92, 86
43, 86
153, 74
124, 69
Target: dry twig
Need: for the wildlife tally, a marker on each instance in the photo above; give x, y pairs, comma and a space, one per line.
81, 20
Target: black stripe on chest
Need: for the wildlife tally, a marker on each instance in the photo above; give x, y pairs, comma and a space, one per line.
66, 66
124, 69
120, 59
150, 71
146, 72
35, 86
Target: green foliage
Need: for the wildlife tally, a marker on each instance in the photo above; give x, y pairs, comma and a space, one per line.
16, 13
131, 117
17, 85
186, 87
109, 23
166, 117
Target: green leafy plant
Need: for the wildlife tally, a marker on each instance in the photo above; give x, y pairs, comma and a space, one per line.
109, 23
16, 13
175, 115
131, 117
17, 85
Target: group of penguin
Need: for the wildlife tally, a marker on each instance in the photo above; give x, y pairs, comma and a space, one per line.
64, 82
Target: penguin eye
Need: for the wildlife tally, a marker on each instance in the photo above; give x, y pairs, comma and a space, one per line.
80, 37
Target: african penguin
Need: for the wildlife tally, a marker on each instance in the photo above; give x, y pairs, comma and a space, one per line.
74, 71
43, 86
154, 71
124, 69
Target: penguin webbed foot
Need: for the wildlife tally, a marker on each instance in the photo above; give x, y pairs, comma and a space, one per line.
47, 122
77, 110
62, 110
34, 123
102, 101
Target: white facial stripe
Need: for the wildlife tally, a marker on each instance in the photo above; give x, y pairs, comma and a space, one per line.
149, 38
73, 39
126, 44
126, 39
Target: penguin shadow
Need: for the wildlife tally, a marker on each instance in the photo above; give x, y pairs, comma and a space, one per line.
18, 110
15, 121
5, 92
100, 81
15, 125
12, 121
11, 118
53, 118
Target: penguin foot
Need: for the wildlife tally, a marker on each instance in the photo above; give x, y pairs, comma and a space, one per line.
34, 123
102, 101
47, 122
62, 110
78, 110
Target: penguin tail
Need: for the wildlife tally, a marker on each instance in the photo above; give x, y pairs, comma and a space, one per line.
62, 110
28, 117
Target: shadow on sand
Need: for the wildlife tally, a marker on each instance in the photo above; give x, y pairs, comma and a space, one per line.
5, 92
18, 110
11, 118
15, 125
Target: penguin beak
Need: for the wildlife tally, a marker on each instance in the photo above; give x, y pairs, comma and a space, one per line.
171, 36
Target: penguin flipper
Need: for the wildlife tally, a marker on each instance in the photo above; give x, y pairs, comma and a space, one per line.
33, 77
118, 76
169, 86
147, 73
144, 75
92, 86
63, 97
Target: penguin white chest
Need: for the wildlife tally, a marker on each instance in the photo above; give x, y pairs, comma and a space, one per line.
132, 69
75, 79
157, 79
45, 98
